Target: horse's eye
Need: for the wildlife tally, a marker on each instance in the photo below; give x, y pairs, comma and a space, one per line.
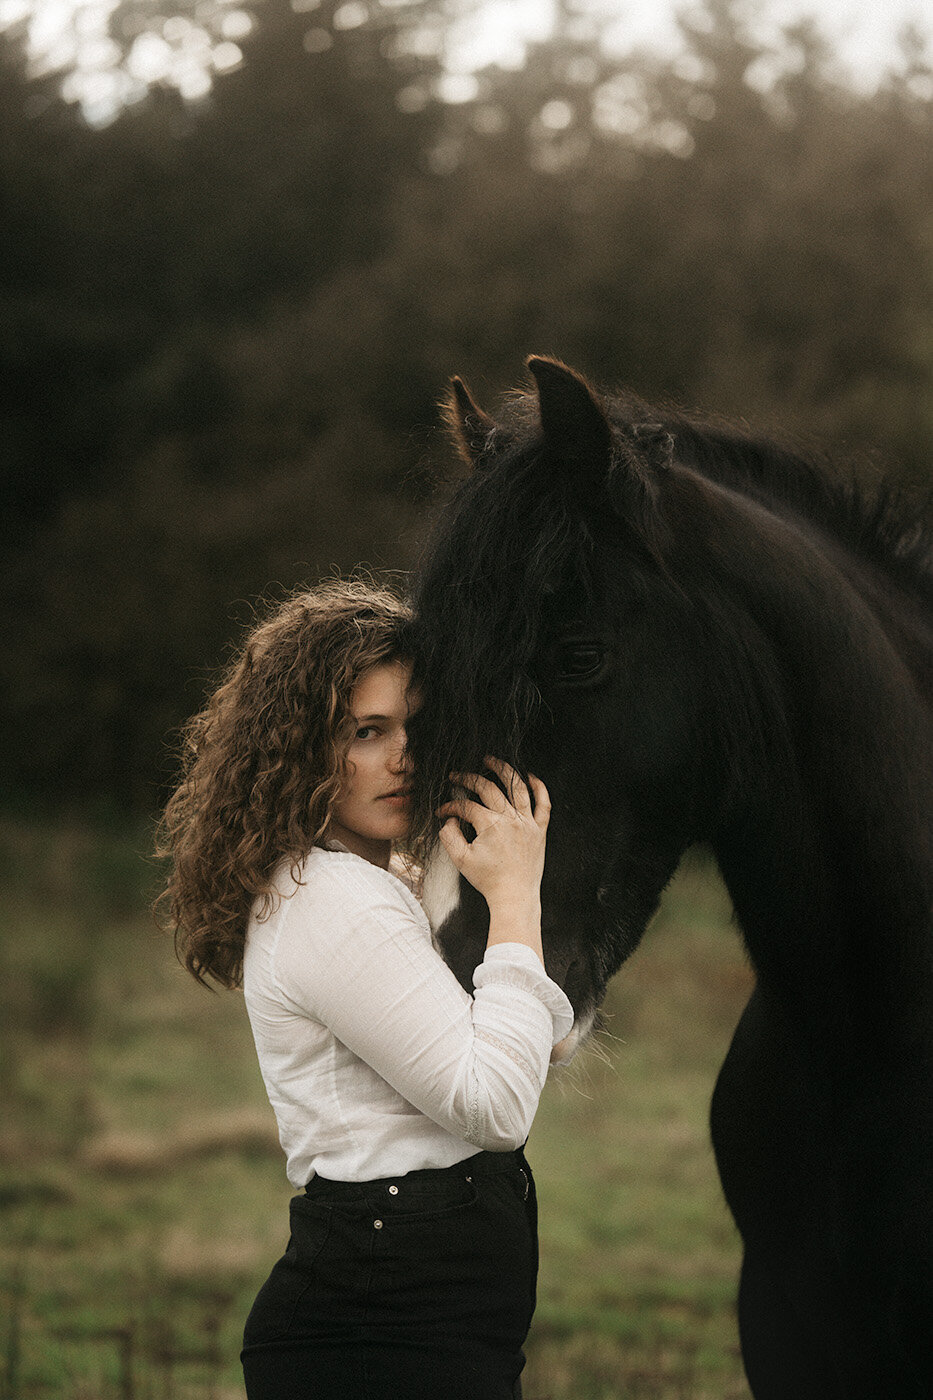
579, 662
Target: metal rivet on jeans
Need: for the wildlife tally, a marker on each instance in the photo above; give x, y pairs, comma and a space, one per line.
377, 1224
393, 1190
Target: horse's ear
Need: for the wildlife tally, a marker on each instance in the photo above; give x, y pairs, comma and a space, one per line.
576, 425
473, 430
572, 418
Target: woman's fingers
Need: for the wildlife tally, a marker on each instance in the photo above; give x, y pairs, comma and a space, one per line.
486, 790
515, 787
542, 801
491, 799
506, 856
454, 842
475, 813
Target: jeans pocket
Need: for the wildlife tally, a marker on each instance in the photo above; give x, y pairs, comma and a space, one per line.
450, 1200
276, 1303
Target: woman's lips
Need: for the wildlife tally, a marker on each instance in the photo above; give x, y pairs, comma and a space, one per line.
398, 799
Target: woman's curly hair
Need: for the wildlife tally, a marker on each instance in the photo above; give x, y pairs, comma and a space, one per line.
261, 764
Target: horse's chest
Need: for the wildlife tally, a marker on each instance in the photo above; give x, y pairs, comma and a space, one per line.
769, 1128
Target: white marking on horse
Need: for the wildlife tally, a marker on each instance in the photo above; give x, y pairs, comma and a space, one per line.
440, 896
440, 889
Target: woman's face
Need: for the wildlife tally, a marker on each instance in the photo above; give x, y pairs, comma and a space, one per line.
374, 806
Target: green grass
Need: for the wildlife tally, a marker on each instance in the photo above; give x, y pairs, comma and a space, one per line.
142, 1190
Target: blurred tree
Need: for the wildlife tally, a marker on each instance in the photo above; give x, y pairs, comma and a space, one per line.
223, 325
733, 229
155, 469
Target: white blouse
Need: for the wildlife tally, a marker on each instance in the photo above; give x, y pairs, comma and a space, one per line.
375, 1059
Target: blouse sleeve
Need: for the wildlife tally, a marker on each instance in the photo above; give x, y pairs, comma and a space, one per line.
351, 955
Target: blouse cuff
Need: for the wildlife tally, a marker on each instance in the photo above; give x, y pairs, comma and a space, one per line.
517, 965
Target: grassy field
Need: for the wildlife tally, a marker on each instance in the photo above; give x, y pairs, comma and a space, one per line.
142, 1191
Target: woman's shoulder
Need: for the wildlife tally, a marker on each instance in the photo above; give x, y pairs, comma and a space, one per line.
337, 880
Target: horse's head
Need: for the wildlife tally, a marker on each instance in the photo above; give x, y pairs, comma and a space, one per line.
556, 633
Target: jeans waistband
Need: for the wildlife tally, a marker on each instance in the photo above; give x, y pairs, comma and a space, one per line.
424, 1178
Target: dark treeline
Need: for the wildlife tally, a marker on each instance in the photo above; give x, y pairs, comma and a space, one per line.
224, 327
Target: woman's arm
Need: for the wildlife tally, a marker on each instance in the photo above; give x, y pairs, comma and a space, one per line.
347, 951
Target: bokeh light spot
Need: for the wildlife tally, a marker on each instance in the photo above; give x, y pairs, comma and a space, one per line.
226, 57
351, 16
193, 83
411, 99
149, 58
237, 24
176, 29
317, 41
557, 115
454, 88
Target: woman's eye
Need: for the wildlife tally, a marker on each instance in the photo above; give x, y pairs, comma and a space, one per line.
365, 732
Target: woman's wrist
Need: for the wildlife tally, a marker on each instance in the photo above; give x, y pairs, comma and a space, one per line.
516, 920
519, 903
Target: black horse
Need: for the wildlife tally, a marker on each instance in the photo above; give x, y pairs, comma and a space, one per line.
694, 635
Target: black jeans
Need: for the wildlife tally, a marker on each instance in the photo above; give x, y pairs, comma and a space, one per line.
418, 1287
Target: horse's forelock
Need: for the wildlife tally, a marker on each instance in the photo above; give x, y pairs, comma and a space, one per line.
506, 546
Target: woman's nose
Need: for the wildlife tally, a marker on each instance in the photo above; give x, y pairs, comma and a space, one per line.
400, 761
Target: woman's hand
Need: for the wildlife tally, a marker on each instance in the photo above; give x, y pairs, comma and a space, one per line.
505, 860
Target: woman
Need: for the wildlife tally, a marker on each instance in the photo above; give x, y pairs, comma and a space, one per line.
402, 1102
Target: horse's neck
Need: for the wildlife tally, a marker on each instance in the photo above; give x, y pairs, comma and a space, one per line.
827, 850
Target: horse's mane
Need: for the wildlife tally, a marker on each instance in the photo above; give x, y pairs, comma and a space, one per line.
878, 520
876, 517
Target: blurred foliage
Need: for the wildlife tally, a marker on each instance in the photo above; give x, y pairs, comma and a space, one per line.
224, 325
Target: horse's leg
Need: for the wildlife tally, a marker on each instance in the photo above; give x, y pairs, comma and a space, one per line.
914, 1329
797, 1344
781, 1361
800, 1337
